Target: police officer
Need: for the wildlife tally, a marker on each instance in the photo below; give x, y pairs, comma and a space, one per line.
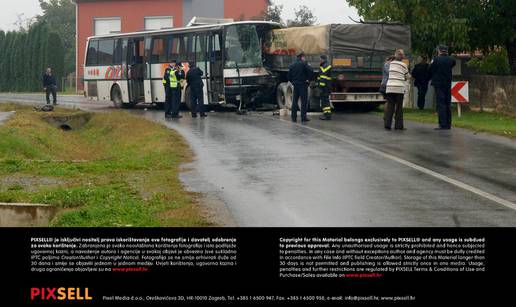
441, 72
166, 86
176, 75
300, 74
324, 84
194, 79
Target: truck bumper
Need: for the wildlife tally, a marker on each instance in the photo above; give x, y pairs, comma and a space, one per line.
357, 97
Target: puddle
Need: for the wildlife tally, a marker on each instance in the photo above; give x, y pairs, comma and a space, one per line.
25, 215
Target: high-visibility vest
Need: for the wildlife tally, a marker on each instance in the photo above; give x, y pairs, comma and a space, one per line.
324, 78
174, 82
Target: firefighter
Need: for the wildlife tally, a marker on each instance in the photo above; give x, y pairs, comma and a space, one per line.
194, 79
176, 75
300, 74
166, 86
324, 83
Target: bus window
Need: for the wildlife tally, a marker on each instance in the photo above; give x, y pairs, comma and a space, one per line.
215, 50
105, 52
190, 53
141, 52
200, 47
243, 40
158, 54
91, 57
217, 42
173, 48
119, 52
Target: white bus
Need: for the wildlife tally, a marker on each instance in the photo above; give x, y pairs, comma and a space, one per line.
128, 68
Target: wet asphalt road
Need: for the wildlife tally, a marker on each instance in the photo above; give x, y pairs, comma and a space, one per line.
347, 172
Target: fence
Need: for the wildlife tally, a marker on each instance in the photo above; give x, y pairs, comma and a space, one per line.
493, 93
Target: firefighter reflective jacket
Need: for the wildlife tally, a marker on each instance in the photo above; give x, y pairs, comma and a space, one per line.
324, 78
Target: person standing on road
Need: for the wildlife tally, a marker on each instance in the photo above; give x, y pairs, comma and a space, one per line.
441, 72
176, 75
385, 76
50, 85
324, 83
168, 97
395, 91
194, 79
300, 74
421, 75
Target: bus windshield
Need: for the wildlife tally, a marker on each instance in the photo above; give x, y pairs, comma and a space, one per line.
242, 47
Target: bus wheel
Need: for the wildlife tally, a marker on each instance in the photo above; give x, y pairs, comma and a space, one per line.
116, 97
281, 95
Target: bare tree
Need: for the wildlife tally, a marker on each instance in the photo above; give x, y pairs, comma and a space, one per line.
23, 23
272, 13
304, 17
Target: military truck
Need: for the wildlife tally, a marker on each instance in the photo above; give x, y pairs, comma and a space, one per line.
356, 52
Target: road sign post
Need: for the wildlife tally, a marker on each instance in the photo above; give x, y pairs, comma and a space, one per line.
460, 94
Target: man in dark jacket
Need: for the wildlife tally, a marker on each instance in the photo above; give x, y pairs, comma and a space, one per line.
50, 85
421, 75
441, 72
300, 74
194, 80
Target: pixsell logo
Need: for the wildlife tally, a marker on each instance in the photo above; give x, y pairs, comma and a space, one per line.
60, 294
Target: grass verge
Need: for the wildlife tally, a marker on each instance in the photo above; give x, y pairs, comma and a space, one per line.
117, 170
477, 121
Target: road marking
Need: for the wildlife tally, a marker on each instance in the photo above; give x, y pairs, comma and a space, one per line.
422, 169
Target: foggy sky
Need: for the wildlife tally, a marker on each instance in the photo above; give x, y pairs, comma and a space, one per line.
326, 11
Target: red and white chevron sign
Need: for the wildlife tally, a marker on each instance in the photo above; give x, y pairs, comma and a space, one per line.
460, 92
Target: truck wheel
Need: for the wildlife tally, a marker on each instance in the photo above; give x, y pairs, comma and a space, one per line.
313, 101
281, 95
289, 96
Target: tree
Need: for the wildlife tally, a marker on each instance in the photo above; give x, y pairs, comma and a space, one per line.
272, 13
59, 15
432, 22
463, 25
492, 25
25, 54
304, 17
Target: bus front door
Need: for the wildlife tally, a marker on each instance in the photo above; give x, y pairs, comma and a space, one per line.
215, 79
135, 69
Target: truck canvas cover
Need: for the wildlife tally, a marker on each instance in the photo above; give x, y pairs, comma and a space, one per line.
381, 38
337, 39
311, 40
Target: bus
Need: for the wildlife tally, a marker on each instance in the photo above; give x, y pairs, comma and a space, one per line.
128, 68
